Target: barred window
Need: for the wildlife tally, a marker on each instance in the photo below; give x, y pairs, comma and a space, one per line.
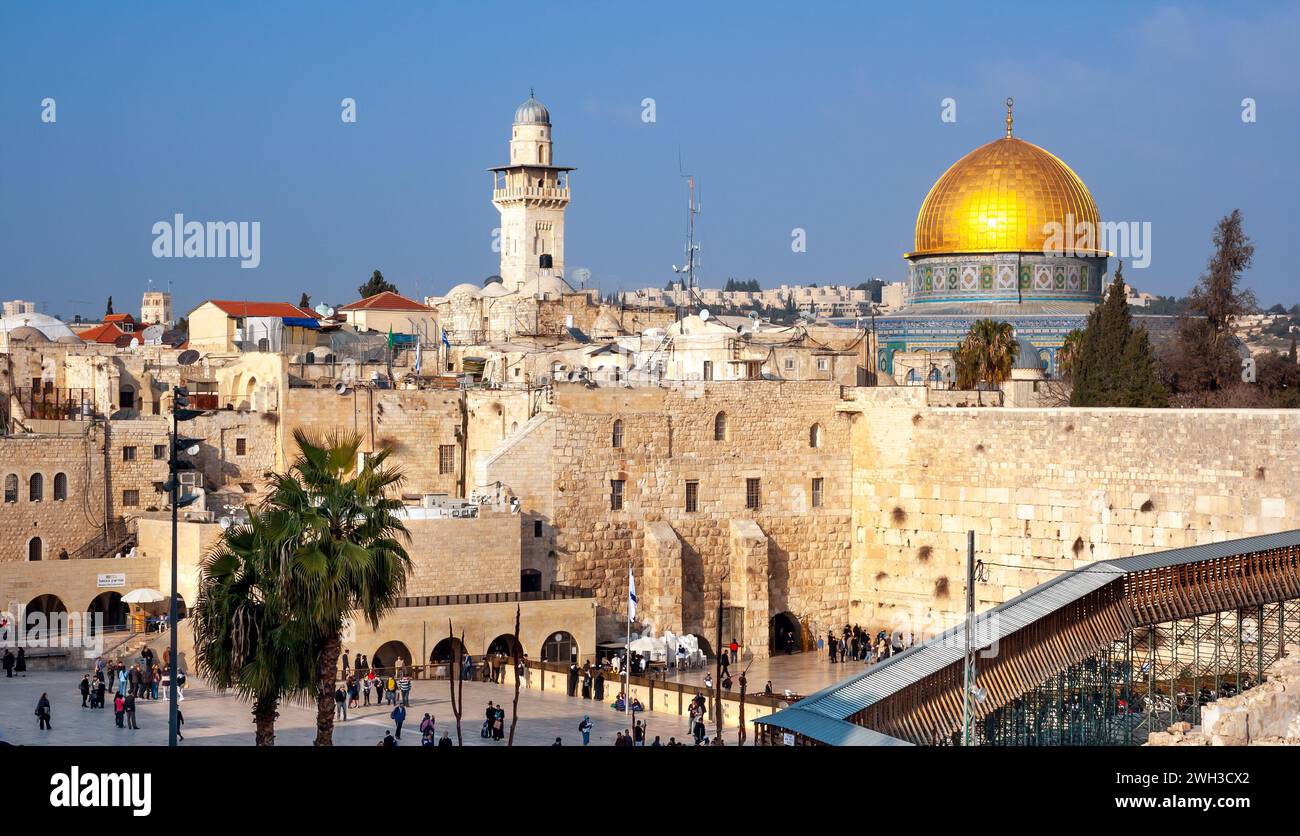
616, 494
36, 488
160, 451
128, 454
753, 494
446, 458
617, 440
241, 446
60, 487
130, 499
692, 496
11, 488
720, 427
817, 492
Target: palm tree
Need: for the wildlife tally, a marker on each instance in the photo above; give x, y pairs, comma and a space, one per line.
244, 639
1068, 355
986, 355
342, 537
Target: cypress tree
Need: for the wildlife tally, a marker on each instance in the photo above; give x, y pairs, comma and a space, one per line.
1116, 366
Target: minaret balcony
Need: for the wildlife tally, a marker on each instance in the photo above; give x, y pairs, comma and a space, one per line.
543, 192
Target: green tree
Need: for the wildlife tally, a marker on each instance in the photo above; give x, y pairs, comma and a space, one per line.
245, 639
1205, 340
109, 310
376, 284
1115, 365
1068, 355
340, 525
1292, 355
986, 355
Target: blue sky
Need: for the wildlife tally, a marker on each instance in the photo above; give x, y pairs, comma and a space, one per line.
819, 116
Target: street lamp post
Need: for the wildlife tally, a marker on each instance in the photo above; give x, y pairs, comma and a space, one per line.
180, 412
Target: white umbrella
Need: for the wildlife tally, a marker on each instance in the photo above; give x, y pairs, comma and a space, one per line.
143, 596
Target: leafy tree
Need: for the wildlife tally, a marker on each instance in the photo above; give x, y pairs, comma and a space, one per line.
376, 284
1068, 355
245, 639
1276, 309
1292, 354
183, 325
109, 310
986, 355
1115, 365
339, 526
1208, 358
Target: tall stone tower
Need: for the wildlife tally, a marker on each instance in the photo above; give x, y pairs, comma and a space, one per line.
156, 307
531, 193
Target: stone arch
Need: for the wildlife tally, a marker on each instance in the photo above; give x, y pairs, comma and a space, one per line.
115, 612
35, 488
815, 436
560, 646
705, 647
616, 434
384, 660
446, 650
35, 549
60, 487
505, 643
786, 633
250, 387
53, 619
720, 426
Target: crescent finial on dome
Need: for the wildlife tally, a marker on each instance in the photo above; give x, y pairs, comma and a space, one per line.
1010, 102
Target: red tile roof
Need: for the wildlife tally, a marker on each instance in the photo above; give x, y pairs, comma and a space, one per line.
119, 317
234, 308
106, 333
386, 301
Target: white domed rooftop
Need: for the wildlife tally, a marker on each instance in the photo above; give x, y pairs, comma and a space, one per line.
532, 112
463, 289
51, 327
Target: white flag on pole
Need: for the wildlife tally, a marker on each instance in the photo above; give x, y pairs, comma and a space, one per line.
631, 595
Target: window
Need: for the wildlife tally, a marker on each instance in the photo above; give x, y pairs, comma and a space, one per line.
11, 488
34, 551
789, 364
617, 440
160, 451
128, 454
753, 494
130, 499
36, 488
817, 492
823, 364
446, 458
241, 446
692, 496
616, 494
537, 528
708, 369
60, 487
720, 427
815, 436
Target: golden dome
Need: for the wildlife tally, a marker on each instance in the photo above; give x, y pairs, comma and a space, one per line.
999, 198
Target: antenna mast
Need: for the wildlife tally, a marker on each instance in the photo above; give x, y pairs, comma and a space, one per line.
692, 209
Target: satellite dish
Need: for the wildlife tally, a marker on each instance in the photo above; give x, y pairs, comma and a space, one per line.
704, 314
124, 341
225, 522
152, 335
187, 358
324, 310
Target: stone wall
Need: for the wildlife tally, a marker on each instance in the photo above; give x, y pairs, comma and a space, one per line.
563, 468
59, 524
1047, 490
453, 556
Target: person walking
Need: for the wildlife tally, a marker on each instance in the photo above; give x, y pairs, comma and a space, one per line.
119, 709
340, 704
399, 717
404, 685
85, 691
585, 728
129, 707
20, 664
9, 663
42, 707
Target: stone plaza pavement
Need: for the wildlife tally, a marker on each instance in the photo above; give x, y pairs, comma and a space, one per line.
213, 719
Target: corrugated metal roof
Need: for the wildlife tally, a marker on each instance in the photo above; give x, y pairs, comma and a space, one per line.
844, 699
829, 730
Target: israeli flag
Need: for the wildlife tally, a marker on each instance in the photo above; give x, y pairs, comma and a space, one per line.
446, 341
631, 595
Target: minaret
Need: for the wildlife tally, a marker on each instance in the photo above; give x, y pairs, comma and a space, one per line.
531, 194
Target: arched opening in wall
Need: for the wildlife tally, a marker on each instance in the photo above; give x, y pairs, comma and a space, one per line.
815, 436
46, 618
786, 633
60, 487
384, 660
705, 647
560, 647
505, 643
720, 427
109, 605
249, 388
36, 488
445, 651
126, 396
182, 611
35, 549
514, 427
11, 487
616, 439
530, 580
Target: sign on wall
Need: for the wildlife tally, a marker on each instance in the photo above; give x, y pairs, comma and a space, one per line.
109, 581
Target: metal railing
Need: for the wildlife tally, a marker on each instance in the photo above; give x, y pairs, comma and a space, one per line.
57, 403
558, 593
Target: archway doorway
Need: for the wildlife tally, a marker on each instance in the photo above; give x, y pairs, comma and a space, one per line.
384, 660
46, 619
786, 633
108, 604
560, 647
705, 647
505, 643
446, 651
35, 549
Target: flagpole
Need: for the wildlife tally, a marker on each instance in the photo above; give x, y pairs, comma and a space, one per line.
627, 653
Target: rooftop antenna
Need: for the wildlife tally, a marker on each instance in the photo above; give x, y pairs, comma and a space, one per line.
692, 209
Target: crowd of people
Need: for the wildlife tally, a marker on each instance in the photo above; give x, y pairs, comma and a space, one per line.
855, 644
130, 682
